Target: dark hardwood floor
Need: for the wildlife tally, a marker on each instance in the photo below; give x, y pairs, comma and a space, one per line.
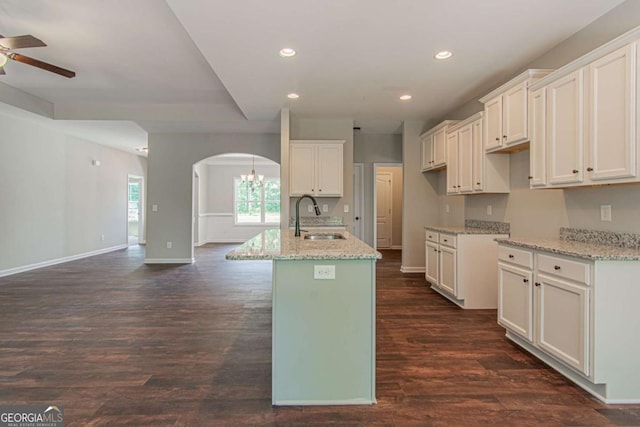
120, 343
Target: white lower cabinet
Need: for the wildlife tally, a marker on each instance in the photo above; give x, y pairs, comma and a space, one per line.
460, 267
576, 315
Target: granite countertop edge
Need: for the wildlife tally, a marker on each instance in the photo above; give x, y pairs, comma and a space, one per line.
461, 230
289, 247
588, 251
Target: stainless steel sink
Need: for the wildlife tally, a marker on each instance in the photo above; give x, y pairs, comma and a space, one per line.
324, 236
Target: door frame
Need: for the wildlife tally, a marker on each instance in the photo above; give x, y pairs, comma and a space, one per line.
141, 234
375, 201
358, 200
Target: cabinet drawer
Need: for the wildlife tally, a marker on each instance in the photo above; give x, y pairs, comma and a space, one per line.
448, 240
432, 236
521, 257
565, 268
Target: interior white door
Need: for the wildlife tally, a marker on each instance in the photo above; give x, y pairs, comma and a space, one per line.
358, 200
134, 209
196, 209
383, 209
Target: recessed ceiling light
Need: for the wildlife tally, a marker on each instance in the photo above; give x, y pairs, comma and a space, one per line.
444, 54
405, 97
287, 51
293, 96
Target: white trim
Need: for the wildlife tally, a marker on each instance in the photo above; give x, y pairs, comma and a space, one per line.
317, 141
56, 261
169, 260
597, 53
220, 214
522, 77
466, 121
438, 127
323, 402
396, 247
222, 241
404, 269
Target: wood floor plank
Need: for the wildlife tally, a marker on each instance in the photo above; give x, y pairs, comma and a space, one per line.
118, 342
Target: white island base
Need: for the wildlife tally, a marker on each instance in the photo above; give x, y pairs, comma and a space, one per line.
323, 333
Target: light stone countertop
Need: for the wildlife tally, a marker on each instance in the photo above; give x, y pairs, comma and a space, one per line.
276, 244
461, 230
591, 251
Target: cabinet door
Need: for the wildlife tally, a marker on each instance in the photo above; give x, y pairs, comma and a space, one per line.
563, 321
478, 156
514, 115
452, 163
612, 141
537, 134
448, 271
493, 123
565, 126
440, 148
427, 152
431, 268
515, 300
301, 169
465, 156
329, 170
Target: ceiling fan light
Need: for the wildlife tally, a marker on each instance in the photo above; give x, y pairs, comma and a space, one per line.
3, 59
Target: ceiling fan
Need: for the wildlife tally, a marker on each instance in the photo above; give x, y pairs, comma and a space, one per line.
8, 44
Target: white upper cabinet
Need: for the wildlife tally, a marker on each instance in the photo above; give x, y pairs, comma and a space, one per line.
565, 129
470, 170
611, 109
505, 112
434, 146
537, 135
316, 168
583, 119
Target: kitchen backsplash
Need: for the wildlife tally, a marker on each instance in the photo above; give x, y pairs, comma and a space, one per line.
624, 240
495, 226
318, 221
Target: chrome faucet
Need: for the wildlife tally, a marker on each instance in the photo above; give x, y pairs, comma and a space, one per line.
315, 205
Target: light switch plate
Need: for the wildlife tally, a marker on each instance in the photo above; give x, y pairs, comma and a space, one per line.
309, 208
325, 208
605, 213
446, 208
346, 208
154, 208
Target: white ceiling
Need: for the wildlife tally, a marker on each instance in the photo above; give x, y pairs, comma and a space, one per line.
213, 65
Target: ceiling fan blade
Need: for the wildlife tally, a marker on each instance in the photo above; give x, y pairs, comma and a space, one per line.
40, 64
20, 42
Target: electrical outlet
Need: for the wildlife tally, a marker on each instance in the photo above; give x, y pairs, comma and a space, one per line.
605, 213
489, 210
325, 208
102, 237
324, 272
169, 245
154, 208
346, 209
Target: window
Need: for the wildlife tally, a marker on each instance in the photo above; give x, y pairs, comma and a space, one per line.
257, 205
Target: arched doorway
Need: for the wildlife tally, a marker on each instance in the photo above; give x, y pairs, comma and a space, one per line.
236, 196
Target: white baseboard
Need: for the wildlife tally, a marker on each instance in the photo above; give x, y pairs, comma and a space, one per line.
169, 260
396, 247
51, 262
404, 269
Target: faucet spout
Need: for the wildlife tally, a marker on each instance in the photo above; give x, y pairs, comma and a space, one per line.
315, 205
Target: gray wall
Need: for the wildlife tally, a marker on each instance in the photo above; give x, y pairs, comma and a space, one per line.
543, 212
54, 202
370, 149
342, 129
171, 160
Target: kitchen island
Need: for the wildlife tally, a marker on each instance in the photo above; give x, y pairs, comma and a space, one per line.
323, 326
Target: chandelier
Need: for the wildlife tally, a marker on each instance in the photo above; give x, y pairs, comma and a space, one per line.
252, 178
